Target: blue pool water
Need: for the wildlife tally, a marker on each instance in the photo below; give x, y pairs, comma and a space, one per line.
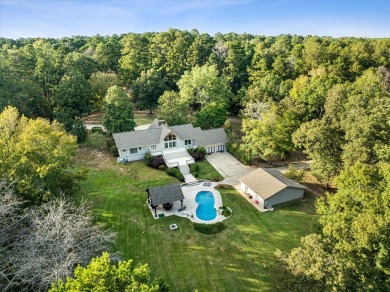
205, 210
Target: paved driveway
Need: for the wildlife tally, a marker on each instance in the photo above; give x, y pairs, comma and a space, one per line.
228, 166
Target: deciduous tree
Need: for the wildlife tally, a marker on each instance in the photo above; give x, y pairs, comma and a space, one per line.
118, 111
100, 83
202, 85
36, 154
81, 63
47, 242
73, 97
211, 116
101, 274
173, 109
352, 251
366, 122
147, 89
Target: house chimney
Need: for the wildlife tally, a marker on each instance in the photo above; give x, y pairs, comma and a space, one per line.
161, 122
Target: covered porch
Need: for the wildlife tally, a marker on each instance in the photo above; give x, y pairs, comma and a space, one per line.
166, 196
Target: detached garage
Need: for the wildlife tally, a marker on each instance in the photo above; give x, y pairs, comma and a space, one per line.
270, 187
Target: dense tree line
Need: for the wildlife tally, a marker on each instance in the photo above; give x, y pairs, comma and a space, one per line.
67, 78
328, 97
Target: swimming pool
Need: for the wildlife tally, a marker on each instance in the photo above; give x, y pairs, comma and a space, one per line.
205, 210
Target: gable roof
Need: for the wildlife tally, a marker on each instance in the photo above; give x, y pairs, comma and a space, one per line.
267, 183
133, 139
154, 124
165, 194
157, 131
186, 131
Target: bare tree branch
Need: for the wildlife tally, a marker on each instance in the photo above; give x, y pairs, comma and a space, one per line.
50, 241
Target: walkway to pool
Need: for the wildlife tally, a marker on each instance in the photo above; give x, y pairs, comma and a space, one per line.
189, 212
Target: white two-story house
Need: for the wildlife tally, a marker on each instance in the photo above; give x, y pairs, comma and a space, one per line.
169, 141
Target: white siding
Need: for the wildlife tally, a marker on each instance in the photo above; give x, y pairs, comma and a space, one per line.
255, 197
125, 154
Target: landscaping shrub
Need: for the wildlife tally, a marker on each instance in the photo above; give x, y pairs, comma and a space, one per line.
227, 212
157, 161
224, 186
190, 151
148, 158
96, 141
110, 142
201, 151
175, 173
114, 151
209, 228
295, 173
217, 178
197, 153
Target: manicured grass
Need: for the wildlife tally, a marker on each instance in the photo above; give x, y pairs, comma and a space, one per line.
207, 171
240, 258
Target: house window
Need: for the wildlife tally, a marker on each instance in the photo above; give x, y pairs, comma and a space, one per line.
170, 144
187, 142
133, 150
153, 147
170, 140
170, 137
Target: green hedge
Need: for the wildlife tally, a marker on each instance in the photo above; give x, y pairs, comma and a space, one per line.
209, 228
175, 173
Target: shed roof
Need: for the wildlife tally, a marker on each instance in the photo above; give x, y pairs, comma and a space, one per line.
267, 183
165, 194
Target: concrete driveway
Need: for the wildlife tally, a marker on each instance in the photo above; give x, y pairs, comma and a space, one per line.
228, 166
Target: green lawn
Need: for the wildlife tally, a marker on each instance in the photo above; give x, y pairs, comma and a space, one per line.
207, 171
241, 258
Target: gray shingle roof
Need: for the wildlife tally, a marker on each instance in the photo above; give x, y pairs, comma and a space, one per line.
156, 133
212, 136
186, 131
154, 124
165, 194
267, 183
133, 139
164, 132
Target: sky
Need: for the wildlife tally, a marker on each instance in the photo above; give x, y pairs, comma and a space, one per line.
60, 18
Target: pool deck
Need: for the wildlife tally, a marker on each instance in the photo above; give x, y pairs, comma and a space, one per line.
189, 201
